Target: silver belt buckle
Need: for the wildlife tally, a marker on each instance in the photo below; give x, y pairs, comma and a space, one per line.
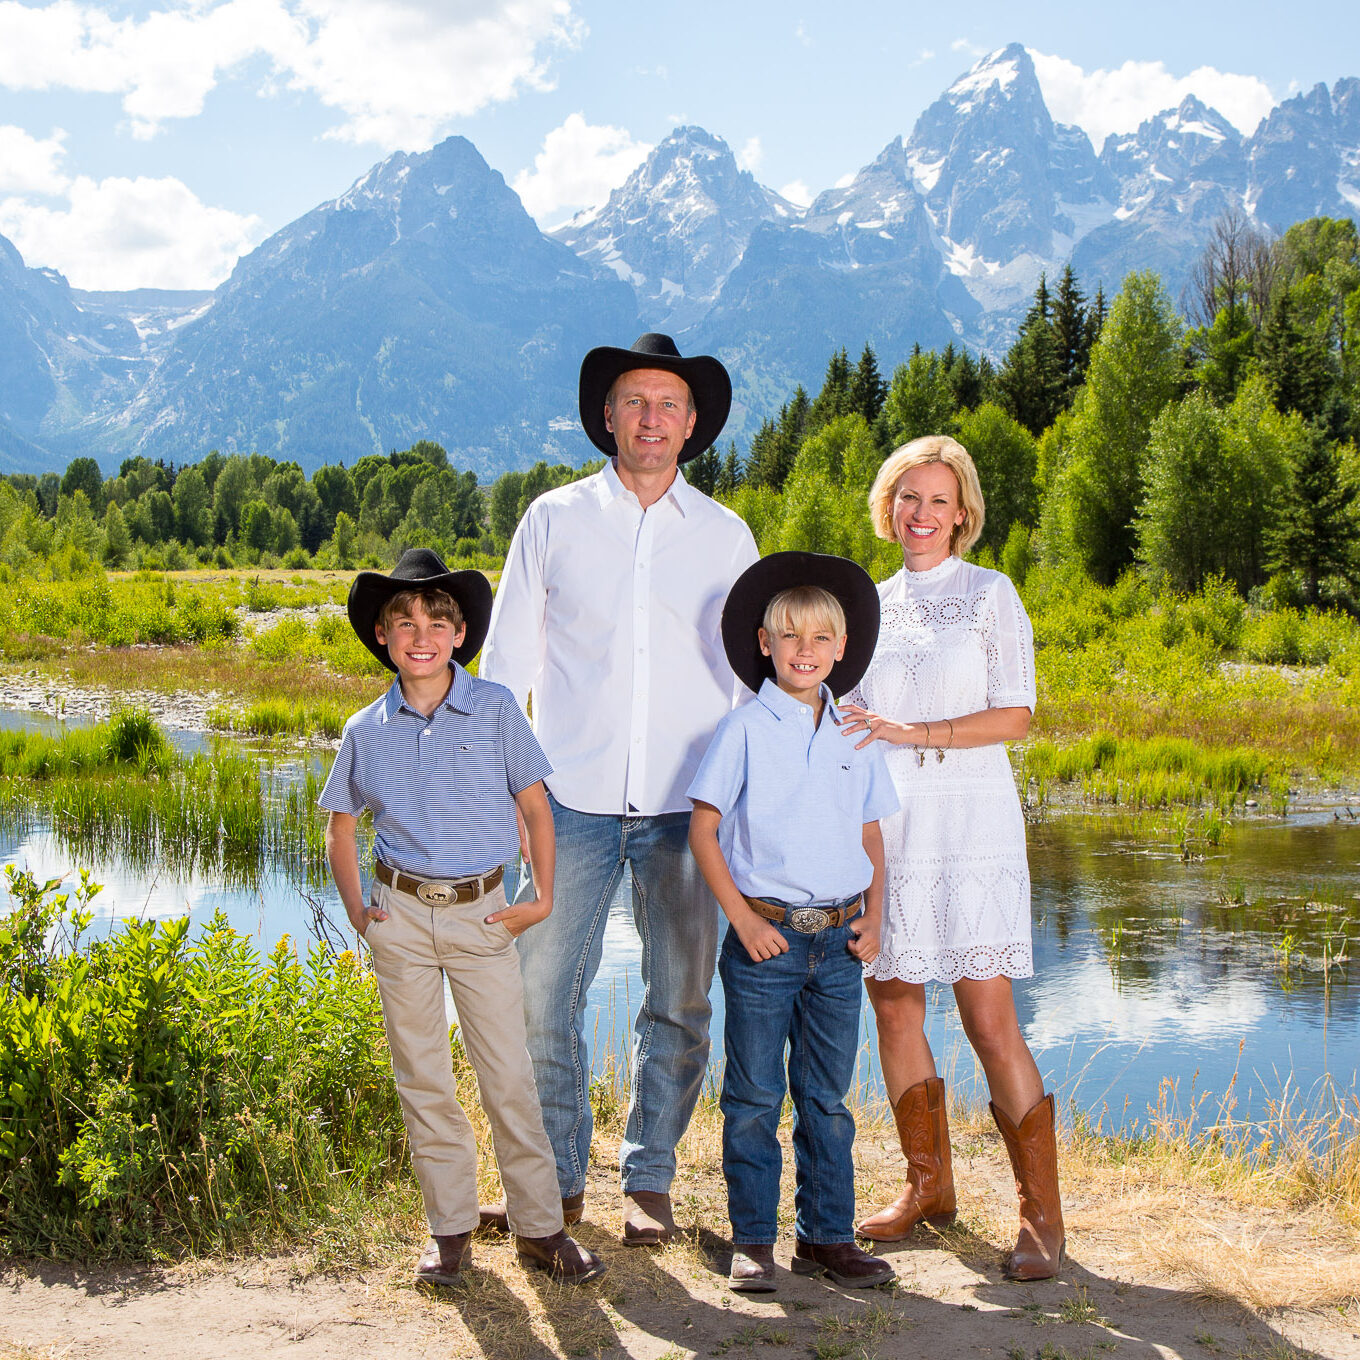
436, 894
808, 920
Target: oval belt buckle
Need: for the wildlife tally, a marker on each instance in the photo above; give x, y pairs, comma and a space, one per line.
435, 894
809, 920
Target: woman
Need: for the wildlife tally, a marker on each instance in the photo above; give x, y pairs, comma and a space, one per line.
952, 679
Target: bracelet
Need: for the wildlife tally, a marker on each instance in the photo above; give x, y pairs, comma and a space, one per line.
921, 750
939, 751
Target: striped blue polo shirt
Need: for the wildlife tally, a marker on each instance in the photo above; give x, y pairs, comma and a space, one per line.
794, 799
441, 789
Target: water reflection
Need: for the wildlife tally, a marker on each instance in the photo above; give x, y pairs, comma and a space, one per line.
1227, 973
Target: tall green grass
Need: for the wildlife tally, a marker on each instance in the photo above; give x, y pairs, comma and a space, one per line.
1159, 772
120, 789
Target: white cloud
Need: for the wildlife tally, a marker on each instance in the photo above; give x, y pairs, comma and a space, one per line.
579, 165
129, 233
800, 32
751, 154
926, 54
31, 166
398, 71
797, 192
966, 45
1102, 102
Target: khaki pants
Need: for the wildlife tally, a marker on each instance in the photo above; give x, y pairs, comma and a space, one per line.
413, 951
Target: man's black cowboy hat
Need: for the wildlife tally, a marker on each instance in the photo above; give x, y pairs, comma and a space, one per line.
421, 569
707, 379
744, 613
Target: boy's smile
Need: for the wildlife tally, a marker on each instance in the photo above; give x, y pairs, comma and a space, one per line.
803, 658
420, 646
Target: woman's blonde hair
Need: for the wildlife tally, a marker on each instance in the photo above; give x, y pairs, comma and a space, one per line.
930, 448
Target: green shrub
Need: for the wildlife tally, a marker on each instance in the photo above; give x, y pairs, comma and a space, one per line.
159, 1094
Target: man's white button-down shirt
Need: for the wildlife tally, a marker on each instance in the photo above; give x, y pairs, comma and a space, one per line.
611, 618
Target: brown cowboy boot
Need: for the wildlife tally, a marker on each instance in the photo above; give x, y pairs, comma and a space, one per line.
923, 1128
1033, 1150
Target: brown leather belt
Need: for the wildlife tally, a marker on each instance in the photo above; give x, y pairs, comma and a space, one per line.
805, 920
439, 892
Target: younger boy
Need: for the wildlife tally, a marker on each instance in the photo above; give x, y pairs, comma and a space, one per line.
442, 761
785, 831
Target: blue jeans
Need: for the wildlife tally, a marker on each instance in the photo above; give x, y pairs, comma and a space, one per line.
677, 920
809, 1000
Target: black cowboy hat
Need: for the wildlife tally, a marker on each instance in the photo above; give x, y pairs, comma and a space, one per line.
744, 613
707, 379
421, 569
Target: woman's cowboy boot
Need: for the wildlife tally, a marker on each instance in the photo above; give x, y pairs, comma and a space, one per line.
1033, 1150
923, 1128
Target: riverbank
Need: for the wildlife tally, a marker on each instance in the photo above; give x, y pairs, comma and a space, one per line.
1169, 1255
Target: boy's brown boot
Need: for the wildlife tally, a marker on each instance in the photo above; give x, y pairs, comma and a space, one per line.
565, 1259
752, 1268
1033, 1149
441, 1261
923, 1130
845, 1263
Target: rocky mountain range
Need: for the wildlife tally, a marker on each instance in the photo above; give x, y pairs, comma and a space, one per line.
424, 302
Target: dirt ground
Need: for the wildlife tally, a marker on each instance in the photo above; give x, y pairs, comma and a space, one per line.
1153, 1271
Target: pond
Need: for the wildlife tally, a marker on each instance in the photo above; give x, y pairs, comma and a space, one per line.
1156, 977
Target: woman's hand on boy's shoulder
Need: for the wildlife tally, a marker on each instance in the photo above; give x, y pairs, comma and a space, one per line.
519, 916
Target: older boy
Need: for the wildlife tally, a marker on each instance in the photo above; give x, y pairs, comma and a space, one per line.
785, 831
442, 761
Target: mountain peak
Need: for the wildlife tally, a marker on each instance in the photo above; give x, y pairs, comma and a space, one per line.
1009, 71
678, 225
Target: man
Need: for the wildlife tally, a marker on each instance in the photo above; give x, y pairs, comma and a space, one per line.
609, 614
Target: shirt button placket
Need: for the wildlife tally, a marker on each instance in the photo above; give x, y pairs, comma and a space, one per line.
637, 753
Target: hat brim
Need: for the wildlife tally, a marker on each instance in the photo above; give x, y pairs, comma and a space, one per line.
706, 377
744, 613
371, 590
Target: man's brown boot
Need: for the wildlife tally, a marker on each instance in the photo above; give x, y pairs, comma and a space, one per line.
442, 1259
1033, 1149
923, 1130
495, 1218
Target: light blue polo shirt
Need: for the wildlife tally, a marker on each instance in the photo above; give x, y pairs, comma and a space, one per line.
794, 799
441, 789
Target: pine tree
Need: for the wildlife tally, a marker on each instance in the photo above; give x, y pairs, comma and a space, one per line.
1030, 384
1316, 531
702, 471
834, 398
1071, 340
762, 459
867, 388
730, 475
1294, 359
969, 381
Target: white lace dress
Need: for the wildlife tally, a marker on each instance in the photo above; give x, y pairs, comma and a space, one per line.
954, 639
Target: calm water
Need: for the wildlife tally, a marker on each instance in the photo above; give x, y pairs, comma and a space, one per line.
1148, 969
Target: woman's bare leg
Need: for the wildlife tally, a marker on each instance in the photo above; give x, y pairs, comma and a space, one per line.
903, 1050
987, 1011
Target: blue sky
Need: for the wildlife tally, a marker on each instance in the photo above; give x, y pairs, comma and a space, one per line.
150, 143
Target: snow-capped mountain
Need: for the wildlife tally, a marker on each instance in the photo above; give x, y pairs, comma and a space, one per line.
678, 226
1305, 157
425, 303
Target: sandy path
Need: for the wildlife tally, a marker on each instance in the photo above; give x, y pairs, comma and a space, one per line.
1115, 1297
